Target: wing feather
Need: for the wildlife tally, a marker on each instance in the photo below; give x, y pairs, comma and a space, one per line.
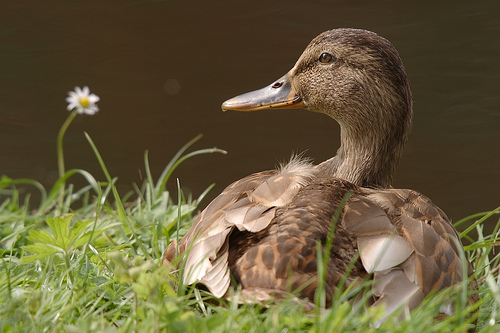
248, 205
428, 257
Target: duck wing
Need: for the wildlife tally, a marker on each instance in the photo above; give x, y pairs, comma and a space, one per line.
265, 230
407, 242
246, 205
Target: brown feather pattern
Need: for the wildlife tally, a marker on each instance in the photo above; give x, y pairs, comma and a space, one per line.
282, 257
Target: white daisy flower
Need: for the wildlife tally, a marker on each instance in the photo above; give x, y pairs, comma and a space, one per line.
83, 101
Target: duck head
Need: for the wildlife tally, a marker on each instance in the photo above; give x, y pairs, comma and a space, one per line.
357, 78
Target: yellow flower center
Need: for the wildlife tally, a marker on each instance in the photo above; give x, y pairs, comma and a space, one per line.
84, 102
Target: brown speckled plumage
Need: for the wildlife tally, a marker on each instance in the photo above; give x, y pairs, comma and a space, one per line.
283, 256
264, 230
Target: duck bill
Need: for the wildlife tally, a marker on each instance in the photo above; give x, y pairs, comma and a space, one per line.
278, 95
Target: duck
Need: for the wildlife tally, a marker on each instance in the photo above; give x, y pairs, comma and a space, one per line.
265, 234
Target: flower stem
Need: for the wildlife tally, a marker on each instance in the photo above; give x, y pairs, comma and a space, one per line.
60, 153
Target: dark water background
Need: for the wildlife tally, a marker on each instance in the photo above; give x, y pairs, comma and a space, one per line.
162, 69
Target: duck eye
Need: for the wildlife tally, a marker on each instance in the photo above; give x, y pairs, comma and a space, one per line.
325, 58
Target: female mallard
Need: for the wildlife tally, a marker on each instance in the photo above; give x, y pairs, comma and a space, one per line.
264, 229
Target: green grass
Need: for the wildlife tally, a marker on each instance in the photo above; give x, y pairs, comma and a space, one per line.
90, 260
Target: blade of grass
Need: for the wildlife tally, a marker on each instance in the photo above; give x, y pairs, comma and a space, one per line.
119, 205
174, 159
178, 159
185, 157
481, 220
56, 188
6, 181
149, 177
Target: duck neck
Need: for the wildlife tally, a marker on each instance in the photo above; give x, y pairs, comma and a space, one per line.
367, 156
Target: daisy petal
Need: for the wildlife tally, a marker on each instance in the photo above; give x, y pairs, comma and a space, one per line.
83, 101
